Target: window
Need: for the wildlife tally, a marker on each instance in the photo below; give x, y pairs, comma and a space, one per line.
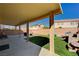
72, 23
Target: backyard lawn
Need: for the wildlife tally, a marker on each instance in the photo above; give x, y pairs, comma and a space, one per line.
60, 47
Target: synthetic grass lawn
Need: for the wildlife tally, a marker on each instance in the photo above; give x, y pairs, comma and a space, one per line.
60, 47
39, 40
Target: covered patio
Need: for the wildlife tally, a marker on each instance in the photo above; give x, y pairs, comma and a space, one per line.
17, 14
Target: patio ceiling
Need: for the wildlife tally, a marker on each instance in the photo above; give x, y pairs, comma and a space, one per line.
20, 13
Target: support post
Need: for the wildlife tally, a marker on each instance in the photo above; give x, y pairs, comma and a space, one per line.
19, 28
27, 30
19, 31
0, 26
51, 30
15, 27
9, 27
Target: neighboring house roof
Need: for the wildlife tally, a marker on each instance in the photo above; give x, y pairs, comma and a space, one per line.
67, 20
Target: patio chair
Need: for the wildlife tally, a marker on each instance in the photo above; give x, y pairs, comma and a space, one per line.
77, 52
0, 36
25, 36
71, 48
67, 47
4, 36
74, 35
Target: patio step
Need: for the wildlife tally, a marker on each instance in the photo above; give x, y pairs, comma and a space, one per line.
45, 52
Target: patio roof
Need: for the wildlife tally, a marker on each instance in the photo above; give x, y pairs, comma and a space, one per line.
20, 13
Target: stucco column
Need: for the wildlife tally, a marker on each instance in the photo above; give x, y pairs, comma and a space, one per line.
51, 30
27, 30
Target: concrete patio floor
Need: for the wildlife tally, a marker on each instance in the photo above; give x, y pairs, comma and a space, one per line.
20, 47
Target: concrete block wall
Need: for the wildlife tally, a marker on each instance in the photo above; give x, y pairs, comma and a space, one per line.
40, 31
12, 32
62, 31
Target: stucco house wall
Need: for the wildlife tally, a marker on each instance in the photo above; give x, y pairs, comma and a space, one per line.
69, 23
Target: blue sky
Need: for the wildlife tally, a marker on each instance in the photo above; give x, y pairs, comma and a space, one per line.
70, 11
